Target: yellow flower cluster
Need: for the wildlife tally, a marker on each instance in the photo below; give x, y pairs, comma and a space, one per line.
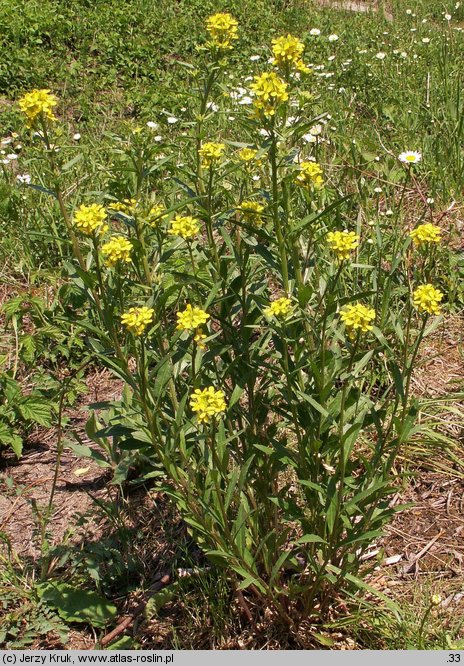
357, 317
281, 307
426, 299
137, 319
191, 318
270, 91
185, 226
342, 242
156, 214
127, 206
288, 51
425, 233
211, 152
223, 29
198, 339
38, 103
310, 173
91, 219
207, 403
252, 211
247, 154
117, 249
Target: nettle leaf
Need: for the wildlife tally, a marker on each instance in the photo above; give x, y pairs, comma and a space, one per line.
9, 437
37, 410
74, 605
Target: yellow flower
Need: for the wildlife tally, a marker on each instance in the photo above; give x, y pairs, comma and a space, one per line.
357, 317
207, 403
222, 28
137, 319
247, 154
281, 307
342, 242
156, 214
127, 206
310, 173
252, 211
211, 152
288, 51
270, 91
91, 219
198, 339
36, 103
425, 233
426, 299
117, 249
184, 226
191, 318
436, 600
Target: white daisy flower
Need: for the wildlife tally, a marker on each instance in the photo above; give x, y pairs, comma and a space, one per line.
76, 136
172, 120
380, 55
309, 138
152, 125
23, 178
410, 157
254, 58
333, 38
315, 32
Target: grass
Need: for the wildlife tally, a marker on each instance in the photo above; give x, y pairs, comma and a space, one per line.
380, 88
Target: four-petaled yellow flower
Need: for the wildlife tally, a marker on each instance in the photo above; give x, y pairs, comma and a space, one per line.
207, 403
426, 299
185, 226
198, 339
287, 53
247, 154
357, 317
425, 233
310, 173
281, 307
127, 206
251, 211
342, 242
191, 318
90, 219
269, 91
211, 152
137, 319
38, 103
117, 249
156, 215
223, 29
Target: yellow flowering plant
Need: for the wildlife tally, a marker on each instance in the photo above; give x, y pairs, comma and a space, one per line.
276, 440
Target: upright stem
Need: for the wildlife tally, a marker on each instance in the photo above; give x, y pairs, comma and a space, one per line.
275, 212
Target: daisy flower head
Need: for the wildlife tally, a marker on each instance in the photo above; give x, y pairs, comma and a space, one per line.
191, 318
410, 157
207, 403
223, 30
425, 233
117, 249
270, 91
90, 219
280, 308
137, 319
38, 103
426, 299
342, 243
357, 318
